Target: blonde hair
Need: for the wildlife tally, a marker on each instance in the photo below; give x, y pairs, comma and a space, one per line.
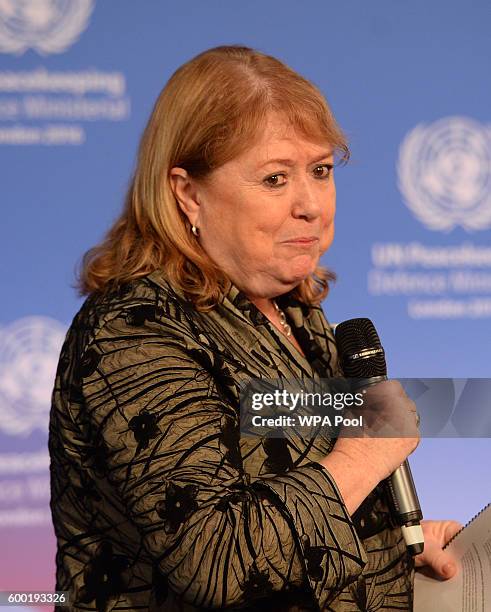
211, 109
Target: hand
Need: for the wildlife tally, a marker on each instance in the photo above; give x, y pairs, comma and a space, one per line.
390, 432
440, 563
358, 464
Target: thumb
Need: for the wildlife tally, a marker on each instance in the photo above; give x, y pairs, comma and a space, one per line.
441, 562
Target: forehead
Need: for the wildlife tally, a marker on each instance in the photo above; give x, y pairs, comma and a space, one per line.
280, 139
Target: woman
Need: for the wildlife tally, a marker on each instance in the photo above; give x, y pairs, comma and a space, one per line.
210, 278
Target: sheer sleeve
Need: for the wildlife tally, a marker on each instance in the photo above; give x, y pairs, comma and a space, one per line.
171, 452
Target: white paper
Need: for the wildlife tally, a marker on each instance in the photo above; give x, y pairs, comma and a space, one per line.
470, 589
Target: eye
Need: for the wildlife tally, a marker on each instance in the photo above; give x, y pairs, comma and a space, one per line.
323, 171
275, 180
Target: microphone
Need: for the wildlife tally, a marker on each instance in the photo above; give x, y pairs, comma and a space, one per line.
362, 356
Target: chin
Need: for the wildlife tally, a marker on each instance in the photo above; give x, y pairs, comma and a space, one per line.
298, 273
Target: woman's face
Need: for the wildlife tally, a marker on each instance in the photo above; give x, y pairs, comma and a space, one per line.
266, 216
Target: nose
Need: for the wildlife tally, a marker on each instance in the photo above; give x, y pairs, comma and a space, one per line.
306, 202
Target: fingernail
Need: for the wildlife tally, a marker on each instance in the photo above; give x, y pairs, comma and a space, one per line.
448, 569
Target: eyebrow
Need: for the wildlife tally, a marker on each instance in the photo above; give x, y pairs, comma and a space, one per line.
291, 162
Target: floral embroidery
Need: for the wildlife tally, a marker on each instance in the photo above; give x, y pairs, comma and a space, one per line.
179, 503
279, 459
257, 584
104, 578
89, 363
124, 290
95, 458
236, 497
138, 315
144, 428
214, 368
230, 438
313, 557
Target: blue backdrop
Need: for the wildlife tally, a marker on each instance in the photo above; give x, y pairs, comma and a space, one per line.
408, 82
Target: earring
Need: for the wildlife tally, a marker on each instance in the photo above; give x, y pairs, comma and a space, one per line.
195, 230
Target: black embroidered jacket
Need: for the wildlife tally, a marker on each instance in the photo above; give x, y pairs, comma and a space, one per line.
157, 501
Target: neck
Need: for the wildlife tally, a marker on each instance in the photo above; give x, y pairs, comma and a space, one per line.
265, 305
277, 317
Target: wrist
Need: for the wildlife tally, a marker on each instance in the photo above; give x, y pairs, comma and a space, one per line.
353, 480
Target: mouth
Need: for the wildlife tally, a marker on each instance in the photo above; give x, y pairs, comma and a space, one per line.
302, 241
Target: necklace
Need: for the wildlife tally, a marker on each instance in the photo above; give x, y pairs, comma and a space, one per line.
287, 330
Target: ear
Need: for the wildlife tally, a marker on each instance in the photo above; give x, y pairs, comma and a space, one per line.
185, 190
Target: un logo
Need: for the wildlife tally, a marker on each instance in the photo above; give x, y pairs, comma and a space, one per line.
29, 352
444, 172
48, 26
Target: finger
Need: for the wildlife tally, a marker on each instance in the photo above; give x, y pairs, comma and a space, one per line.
386, 388
437, 534
444, 564
440, 561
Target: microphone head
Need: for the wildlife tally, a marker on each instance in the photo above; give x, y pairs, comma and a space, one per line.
359, 348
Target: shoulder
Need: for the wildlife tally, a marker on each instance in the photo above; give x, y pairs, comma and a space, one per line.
147, 301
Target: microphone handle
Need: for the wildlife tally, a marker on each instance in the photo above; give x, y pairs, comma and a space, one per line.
403, 499
406, 509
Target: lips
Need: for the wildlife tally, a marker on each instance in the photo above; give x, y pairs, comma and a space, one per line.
302, 240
